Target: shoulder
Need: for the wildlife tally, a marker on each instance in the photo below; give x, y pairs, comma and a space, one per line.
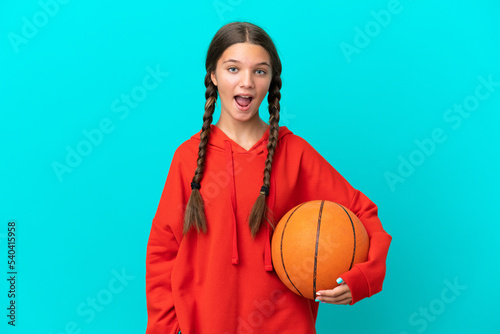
293, 142
187, 147
185, 155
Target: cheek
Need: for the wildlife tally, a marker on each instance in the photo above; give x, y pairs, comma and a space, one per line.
227, 86
263, 92
265, 87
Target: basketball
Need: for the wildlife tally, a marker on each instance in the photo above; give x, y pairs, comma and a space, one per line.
314, 243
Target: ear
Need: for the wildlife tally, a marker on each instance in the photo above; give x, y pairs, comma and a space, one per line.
212, 76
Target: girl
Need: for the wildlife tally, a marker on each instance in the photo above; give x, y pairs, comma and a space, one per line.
208, 265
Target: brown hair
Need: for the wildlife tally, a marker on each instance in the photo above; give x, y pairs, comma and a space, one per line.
232, 33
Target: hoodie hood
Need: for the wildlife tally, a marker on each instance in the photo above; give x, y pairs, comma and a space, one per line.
218, 138
219, 141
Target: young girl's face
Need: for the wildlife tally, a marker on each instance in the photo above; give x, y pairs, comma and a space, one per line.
244, 69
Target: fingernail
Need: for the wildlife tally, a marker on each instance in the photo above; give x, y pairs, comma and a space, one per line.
318, 293
340, 280
316, 300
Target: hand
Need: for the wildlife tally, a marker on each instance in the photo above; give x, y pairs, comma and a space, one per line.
341, 295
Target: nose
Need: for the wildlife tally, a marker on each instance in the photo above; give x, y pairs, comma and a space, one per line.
246, 79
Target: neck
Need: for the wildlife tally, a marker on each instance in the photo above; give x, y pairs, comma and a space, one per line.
245, 134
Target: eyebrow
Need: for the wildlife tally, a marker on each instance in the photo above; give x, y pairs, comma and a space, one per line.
237, 61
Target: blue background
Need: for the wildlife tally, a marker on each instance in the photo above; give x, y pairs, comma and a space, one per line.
365, 88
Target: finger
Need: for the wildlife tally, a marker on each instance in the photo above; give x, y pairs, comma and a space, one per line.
335, 292
345, 301
340, 293
335, 299
335, 296
337, 302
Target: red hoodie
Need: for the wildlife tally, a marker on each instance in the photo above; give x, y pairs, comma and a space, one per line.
223, 281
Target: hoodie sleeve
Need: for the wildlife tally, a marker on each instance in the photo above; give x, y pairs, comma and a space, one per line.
319, 180
161, 253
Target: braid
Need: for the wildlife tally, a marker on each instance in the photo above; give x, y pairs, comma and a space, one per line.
195, 211
260, 209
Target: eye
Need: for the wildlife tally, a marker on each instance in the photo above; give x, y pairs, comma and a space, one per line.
262, 72
231, 68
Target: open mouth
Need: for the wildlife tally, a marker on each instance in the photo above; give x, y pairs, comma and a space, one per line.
243, 101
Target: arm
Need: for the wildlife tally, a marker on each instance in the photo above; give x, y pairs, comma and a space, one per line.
161, 254
319, 180
162, 248
365, 279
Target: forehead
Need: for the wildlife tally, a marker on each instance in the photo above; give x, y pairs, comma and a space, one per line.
245, 53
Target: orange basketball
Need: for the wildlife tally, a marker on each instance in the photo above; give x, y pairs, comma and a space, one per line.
314, 243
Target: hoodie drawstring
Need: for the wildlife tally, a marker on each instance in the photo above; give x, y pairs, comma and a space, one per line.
268, 266
230, 165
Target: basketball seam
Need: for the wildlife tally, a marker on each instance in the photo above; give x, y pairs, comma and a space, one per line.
316, 248
353, 233
281, 250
